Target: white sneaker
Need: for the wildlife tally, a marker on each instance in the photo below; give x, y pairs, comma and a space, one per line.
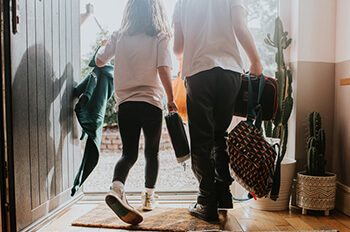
117, 201
148, 201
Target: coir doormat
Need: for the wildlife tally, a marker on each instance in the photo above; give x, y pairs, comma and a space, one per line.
160, 219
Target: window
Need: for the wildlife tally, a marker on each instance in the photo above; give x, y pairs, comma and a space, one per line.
261, 20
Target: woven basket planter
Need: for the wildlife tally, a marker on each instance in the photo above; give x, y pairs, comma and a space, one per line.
316, 192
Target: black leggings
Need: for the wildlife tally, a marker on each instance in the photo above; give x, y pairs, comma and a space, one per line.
132, 117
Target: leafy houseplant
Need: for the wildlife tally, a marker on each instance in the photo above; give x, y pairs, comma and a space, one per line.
315, 187
277, 129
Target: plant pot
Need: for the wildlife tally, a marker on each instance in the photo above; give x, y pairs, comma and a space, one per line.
316, 192
282, 203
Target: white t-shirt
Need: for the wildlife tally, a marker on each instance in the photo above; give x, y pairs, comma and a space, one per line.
135, 67
209, 36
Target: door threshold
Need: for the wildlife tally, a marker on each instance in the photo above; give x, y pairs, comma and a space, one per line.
164, 198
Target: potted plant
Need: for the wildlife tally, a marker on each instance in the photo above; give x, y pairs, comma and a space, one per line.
315, 187
276, 131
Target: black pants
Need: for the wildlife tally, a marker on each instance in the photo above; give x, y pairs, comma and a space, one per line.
132, 117
211, 97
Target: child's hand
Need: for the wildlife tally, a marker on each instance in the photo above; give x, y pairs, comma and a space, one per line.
172, 107
104, 42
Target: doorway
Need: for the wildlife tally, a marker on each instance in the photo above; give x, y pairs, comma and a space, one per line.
98, 23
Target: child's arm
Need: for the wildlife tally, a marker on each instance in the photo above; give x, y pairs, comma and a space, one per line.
165, 77
107, 51
164, 65
100, 63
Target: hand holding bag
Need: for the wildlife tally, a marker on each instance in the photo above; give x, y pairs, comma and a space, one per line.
268, 98
252, 159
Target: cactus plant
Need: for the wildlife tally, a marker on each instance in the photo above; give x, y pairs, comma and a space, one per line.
316, 146
278, 128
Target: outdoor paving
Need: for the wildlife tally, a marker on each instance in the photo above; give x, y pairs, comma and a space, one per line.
172, 176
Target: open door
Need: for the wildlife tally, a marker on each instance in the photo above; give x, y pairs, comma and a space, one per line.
45, 64
2, 131
7, 221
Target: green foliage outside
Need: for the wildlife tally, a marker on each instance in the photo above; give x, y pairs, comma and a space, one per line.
111, 118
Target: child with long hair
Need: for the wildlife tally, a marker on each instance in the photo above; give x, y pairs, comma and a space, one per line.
142, 69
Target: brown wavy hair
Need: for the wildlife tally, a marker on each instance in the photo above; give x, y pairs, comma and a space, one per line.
145, 16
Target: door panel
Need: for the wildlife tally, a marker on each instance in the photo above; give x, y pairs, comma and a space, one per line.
48, 40
21, 141
2, 129
45, 64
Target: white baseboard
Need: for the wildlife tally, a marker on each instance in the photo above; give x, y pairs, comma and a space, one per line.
343, 198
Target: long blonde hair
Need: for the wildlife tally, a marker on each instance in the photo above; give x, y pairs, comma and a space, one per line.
145, 16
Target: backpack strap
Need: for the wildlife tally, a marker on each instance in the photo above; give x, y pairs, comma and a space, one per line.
275, 190
254, 112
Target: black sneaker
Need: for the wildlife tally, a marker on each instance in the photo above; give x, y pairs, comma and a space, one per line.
116, 200
204, 212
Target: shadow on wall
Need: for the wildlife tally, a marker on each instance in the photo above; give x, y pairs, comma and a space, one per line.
343, 150
43, 122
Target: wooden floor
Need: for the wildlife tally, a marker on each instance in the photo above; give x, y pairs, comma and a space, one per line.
242, 218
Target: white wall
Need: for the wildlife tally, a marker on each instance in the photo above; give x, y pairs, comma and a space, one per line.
343, 31
317, 20
311, 24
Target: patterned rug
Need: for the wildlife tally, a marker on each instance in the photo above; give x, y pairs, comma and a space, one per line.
161, 219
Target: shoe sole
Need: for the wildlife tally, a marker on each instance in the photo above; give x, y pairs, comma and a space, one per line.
147, 209
124, 212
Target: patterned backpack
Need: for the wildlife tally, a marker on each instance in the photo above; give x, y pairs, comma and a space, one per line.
252, 159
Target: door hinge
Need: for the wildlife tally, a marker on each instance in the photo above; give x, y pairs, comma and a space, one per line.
7, 207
